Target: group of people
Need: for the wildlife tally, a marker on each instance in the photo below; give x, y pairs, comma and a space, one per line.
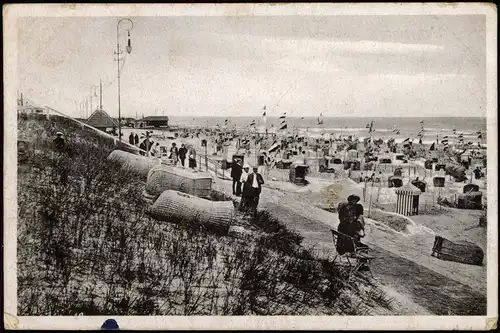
133, 139
180, 154
247, 185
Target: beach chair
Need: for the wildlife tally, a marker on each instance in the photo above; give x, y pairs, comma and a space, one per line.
355, 259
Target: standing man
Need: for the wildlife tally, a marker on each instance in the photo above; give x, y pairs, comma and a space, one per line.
136, 139
182, 154
254, 183
236, 172
131, 138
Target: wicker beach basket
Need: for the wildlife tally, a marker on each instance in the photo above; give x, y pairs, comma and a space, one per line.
456, 171
460, 251
398, 172
471, 200
164, 177
368, 166
438, 181
419, 184
470, 188
176, 205
439, 167
136, 163
394, 181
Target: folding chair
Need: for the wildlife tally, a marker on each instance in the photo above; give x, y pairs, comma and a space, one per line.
359, 255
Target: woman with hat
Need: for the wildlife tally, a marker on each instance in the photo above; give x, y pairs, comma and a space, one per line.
245, 192
351, 224
192, 158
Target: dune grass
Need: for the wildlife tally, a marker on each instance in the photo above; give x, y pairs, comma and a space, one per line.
86, 245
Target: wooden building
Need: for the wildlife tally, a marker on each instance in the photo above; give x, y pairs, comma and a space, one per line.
101, 120
154, 121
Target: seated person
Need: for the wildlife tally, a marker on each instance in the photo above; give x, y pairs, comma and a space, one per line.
352, 224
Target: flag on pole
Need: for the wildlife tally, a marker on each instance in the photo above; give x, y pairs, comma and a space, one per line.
264, 118
283, 116
284, 127
480, 136
252, 123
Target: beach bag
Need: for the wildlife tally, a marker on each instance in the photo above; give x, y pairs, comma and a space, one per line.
457, 251
174, 206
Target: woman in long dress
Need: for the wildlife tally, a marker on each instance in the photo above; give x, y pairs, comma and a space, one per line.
245, 193
192, 158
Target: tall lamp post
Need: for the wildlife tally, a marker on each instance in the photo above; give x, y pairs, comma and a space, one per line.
93, 93
118, 52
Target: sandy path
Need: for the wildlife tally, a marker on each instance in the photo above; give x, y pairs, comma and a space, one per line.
403, 264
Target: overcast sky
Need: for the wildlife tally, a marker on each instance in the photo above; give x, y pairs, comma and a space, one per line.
222, 66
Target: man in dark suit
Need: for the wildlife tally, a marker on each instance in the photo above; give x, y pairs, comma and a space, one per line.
182, 154
254, 184
236, 170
